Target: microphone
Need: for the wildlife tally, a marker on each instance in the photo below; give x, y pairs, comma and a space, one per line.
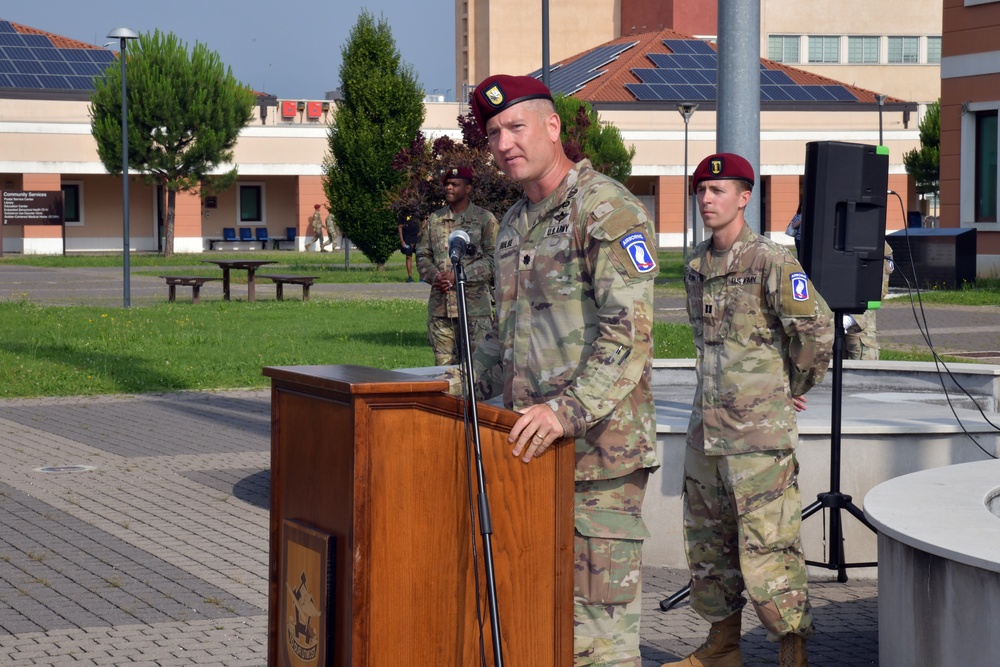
458, 245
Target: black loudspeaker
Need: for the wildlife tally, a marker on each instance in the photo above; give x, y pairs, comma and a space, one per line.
843, 222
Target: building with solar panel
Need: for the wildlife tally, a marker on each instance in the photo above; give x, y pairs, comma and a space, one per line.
635, 82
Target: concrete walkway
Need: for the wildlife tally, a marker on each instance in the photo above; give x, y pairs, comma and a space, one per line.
155, 552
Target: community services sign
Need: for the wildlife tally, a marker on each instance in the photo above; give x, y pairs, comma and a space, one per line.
32, 208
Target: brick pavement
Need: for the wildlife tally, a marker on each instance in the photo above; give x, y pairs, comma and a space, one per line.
158, 554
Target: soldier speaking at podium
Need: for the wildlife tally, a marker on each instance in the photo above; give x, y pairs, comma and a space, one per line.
572, 349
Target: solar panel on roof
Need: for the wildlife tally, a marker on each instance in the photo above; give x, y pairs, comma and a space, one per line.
29, 67
573, 76
80, 82
841, 94
775, 93
100, 56
46, 53
11, 39
698, 76
37, 40
15, 52
776, 77
647, 75
86, 69
61, 67
797, 93
7, 67
821, 94
23, 80
53, 81
5, 26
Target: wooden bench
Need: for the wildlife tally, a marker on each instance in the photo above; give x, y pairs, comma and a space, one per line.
194, 282
281, 280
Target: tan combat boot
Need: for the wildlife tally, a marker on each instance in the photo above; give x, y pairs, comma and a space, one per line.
721, 649
792, 652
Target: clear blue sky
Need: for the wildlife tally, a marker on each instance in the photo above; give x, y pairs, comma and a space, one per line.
289, 48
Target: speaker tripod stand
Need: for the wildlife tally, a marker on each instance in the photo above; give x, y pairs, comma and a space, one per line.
834, 499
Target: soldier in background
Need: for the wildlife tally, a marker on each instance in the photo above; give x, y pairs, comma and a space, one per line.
435, 267
316, 221
332, 232
572, 349
763, 337
860, 333
409, 235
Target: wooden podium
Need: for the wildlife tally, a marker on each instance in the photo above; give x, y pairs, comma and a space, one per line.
371, 535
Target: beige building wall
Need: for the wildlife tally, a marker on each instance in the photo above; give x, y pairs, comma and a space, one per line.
898, 18
506, 37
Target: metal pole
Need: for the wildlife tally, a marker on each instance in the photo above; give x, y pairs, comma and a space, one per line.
686, 110
739, 90
881, 103
545, 43
125, 235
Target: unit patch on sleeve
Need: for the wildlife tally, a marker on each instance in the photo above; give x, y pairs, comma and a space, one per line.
800, 286
638, 252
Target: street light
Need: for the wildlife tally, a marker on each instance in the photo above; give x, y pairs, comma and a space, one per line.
124, 34
686, 110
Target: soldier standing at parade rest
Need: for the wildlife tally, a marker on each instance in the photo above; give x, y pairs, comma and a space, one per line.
317, 226
763, 338
572, 349
435, 267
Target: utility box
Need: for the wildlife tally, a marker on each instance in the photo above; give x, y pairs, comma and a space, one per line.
288, 108
938, 258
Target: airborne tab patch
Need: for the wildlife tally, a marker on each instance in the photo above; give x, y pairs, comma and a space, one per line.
638, 251
800, 286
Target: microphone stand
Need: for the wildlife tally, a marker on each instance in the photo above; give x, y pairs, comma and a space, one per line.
485, 520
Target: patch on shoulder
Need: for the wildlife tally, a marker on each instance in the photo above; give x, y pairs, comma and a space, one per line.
638, 251
800, 286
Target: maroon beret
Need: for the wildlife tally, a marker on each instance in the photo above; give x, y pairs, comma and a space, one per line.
316, 206
457, 172
501, 91
722, 166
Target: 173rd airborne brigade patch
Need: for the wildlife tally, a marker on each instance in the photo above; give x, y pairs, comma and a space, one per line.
638, 251
796, 298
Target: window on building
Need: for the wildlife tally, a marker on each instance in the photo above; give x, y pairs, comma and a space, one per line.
862, 50
933, 50
986, 166
905, 50
824, 49
251, 203
73, 204
783, 48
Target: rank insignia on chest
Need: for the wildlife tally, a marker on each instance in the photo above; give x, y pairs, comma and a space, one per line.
800, 286
637, 249
526, 260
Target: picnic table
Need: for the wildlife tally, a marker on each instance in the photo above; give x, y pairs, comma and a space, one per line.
280, 280
194, 282
248, 265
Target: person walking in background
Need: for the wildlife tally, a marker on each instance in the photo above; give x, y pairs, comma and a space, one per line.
572, 350
763, 337
435, 267
332, 232
794, 230
316, 221
409, 236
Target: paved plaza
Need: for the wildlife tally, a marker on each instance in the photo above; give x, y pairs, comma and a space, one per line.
146, 540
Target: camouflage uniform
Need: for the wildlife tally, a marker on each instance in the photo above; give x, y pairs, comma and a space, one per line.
317, 226
442, 307
763, 335
574, 330
861, 338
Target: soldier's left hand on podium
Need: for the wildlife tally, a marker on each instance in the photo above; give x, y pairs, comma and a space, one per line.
535, 431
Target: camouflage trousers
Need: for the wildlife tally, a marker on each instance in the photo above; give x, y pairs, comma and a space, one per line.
861, 338
443, 334
607, 578
742, 515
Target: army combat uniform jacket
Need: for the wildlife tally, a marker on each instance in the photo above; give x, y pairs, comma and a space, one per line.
432, 256
763, 334
574, 320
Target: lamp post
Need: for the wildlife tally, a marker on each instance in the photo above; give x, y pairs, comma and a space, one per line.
881, 103
124, 34
686, 110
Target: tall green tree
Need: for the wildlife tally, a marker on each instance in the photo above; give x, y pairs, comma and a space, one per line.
584, 136
924, 164
381, 111
185, 113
